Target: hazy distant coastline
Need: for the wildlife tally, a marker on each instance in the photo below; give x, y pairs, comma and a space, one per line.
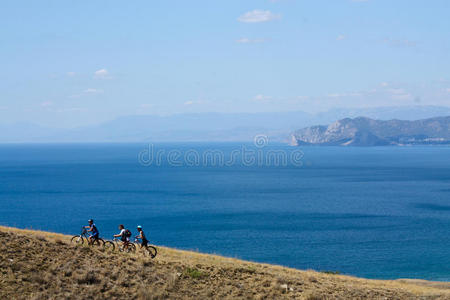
205, 127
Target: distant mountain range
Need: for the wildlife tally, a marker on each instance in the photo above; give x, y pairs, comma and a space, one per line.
205, 127
368, 132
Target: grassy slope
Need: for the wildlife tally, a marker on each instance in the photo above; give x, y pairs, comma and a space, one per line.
42, 265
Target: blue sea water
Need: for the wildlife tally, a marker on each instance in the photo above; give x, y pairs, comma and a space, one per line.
381, 212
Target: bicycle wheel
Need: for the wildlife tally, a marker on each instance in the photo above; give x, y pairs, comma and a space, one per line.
152, 251
98, 243
108, 245
131, 248
77, 239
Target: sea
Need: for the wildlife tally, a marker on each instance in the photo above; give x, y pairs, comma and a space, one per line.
374, 212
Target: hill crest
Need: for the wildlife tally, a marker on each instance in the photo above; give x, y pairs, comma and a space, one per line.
42, 265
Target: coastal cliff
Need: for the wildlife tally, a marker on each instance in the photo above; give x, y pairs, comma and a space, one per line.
369, 132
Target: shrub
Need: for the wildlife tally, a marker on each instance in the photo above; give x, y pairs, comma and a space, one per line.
331, 272
194, 273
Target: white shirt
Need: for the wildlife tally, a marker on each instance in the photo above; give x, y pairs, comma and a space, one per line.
122, 235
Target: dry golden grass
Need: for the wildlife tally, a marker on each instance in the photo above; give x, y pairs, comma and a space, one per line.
42, 265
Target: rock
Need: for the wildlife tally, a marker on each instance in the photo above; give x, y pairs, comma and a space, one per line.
284, 287
368, 132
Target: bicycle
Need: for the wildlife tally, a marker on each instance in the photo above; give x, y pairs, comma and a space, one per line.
84, 237
130, 249
148, 249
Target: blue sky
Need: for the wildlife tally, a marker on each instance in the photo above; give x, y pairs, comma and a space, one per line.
72, 63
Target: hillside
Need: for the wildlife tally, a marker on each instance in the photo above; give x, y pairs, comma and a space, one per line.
368, 132
41, 265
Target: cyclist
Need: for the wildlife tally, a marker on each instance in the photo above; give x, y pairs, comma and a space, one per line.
142, 237
93, 231
124, 235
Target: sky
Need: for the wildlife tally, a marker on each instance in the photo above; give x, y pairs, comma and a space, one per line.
67, 63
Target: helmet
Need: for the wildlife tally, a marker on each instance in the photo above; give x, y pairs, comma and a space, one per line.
90, 220
139, 227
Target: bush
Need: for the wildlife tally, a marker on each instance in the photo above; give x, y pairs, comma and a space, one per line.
331, 272
194, 273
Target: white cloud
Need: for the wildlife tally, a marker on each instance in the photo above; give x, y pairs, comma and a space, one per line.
93, 91
350, 94
193, 102
384, 84
71, 74
70, 109
46, 104
89, 91
400, 94
262, 98
101, 74
258, 16
340, 37
250, 41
